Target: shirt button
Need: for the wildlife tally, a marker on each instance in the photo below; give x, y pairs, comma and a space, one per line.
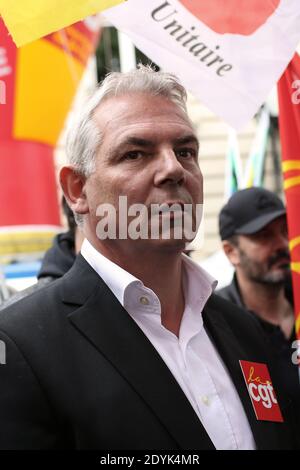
144, 301
205, 400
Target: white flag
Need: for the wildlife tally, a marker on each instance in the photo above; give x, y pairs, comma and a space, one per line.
228, 53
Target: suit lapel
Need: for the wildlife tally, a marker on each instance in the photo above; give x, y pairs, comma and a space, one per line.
231, 351
104, 322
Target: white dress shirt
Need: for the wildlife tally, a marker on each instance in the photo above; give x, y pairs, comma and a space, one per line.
192, 358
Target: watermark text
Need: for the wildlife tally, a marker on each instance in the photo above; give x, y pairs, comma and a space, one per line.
2, 353
296, 354
179, 221
296, 94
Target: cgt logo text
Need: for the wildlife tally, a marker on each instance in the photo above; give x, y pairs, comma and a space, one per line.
263, 393
260, 390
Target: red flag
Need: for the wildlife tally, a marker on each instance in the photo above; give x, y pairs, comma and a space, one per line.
289, 120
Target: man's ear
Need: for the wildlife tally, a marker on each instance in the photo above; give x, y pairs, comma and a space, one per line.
73, 186
232, 252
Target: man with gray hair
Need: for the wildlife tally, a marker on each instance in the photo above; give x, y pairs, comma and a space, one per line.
131, 349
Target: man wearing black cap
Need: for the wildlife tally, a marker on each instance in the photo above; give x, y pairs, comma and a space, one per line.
253, 229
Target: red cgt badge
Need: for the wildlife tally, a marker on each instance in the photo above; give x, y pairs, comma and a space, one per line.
261, 391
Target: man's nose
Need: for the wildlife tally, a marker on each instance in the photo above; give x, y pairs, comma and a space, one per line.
281, 241
169, 169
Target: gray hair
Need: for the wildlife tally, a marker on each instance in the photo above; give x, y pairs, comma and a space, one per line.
84, 137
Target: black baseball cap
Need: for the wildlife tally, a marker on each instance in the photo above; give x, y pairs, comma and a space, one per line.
248, 211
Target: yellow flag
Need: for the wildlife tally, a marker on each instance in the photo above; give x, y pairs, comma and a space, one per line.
28, 20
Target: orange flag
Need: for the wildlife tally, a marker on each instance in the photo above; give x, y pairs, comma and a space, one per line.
28, 20
38, 83
289, 121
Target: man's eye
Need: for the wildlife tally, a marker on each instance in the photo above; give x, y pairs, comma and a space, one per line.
262, 235
133, 155
185, 153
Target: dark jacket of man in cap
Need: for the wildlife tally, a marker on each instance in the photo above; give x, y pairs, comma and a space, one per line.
253, 231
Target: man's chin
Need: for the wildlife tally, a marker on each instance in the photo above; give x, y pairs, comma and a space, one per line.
278, 277
171, 243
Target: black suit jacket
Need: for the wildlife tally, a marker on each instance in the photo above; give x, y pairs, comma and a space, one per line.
80, 374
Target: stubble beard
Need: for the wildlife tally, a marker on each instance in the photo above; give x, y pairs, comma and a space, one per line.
263, 274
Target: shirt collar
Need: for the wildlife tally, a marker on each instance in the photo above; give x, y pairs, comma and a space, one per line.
198, 284
115, 277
